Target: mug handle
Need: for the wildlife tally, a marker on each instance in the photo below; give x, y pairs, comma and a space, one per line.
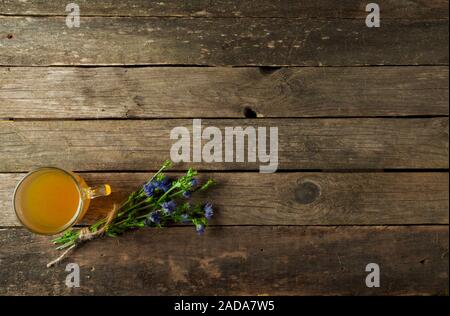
100, 190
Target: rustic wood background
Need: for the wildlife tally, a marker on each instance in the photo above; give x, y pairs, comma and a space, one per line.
363, 122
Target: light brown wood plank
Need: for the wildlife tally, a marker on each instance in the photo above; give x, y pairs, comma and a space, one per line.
288, 198
166, 92
416, 9
303, 144
221, 41
235, 260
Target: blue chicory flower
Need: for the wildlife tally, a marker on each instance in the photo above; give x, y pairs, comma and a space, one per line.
194, 182
164, 184
169, 207
149, 189
153, 217
209, 212
200, 228
187, 194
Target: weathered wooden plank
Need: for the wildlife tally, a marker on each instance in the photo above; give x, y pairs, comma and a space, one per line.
167, 92
302, 144
221, 41
235, 260
403, 9
289, 198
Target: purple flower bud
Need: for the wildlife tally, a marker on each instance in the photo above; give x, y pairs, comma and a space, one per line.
163, 185
149, 189
200, 228
153, 217
169, 207
209, 212
187, 194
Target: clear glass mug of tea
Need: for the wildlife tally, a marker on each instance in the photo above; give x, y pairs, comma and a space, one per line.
49, 200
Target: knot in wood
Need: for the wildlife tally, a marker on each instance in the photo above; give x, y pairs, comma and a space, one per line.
307, 192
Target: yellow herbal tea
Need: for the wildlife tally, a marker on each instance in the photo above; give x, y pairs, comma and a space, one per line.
49, 200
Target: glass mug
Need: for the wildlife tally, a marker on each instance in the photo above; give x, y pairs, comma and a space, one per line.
49, 200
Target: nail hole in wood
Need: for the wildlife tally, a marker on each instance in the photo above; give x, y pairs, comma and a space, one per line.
9, 36
267, 70
307, 192
249, 113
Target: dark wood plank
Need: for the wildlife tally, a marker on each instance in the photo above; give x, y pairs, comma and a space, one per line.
415, 9
166, 92
303, 144
221, 41
235, 261
289, 198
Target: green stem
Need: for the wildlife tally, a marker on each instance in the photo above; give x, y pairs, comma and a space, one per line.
166, 193
134, 206
164, 166
134, 212
176, 194
120, 214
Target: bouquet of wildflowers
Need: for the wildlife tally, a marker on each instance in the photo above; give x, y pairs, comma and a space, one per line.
159, 202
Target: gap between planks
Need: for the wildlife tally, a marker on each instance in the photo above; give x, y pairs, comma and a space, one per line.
257, 120
313, 18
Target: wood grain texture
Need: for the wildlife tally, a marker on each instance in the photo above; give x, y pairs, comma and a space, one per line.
303, 144
235, 260
289, 233
416, 9
166, 92
288, 198
221, 41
